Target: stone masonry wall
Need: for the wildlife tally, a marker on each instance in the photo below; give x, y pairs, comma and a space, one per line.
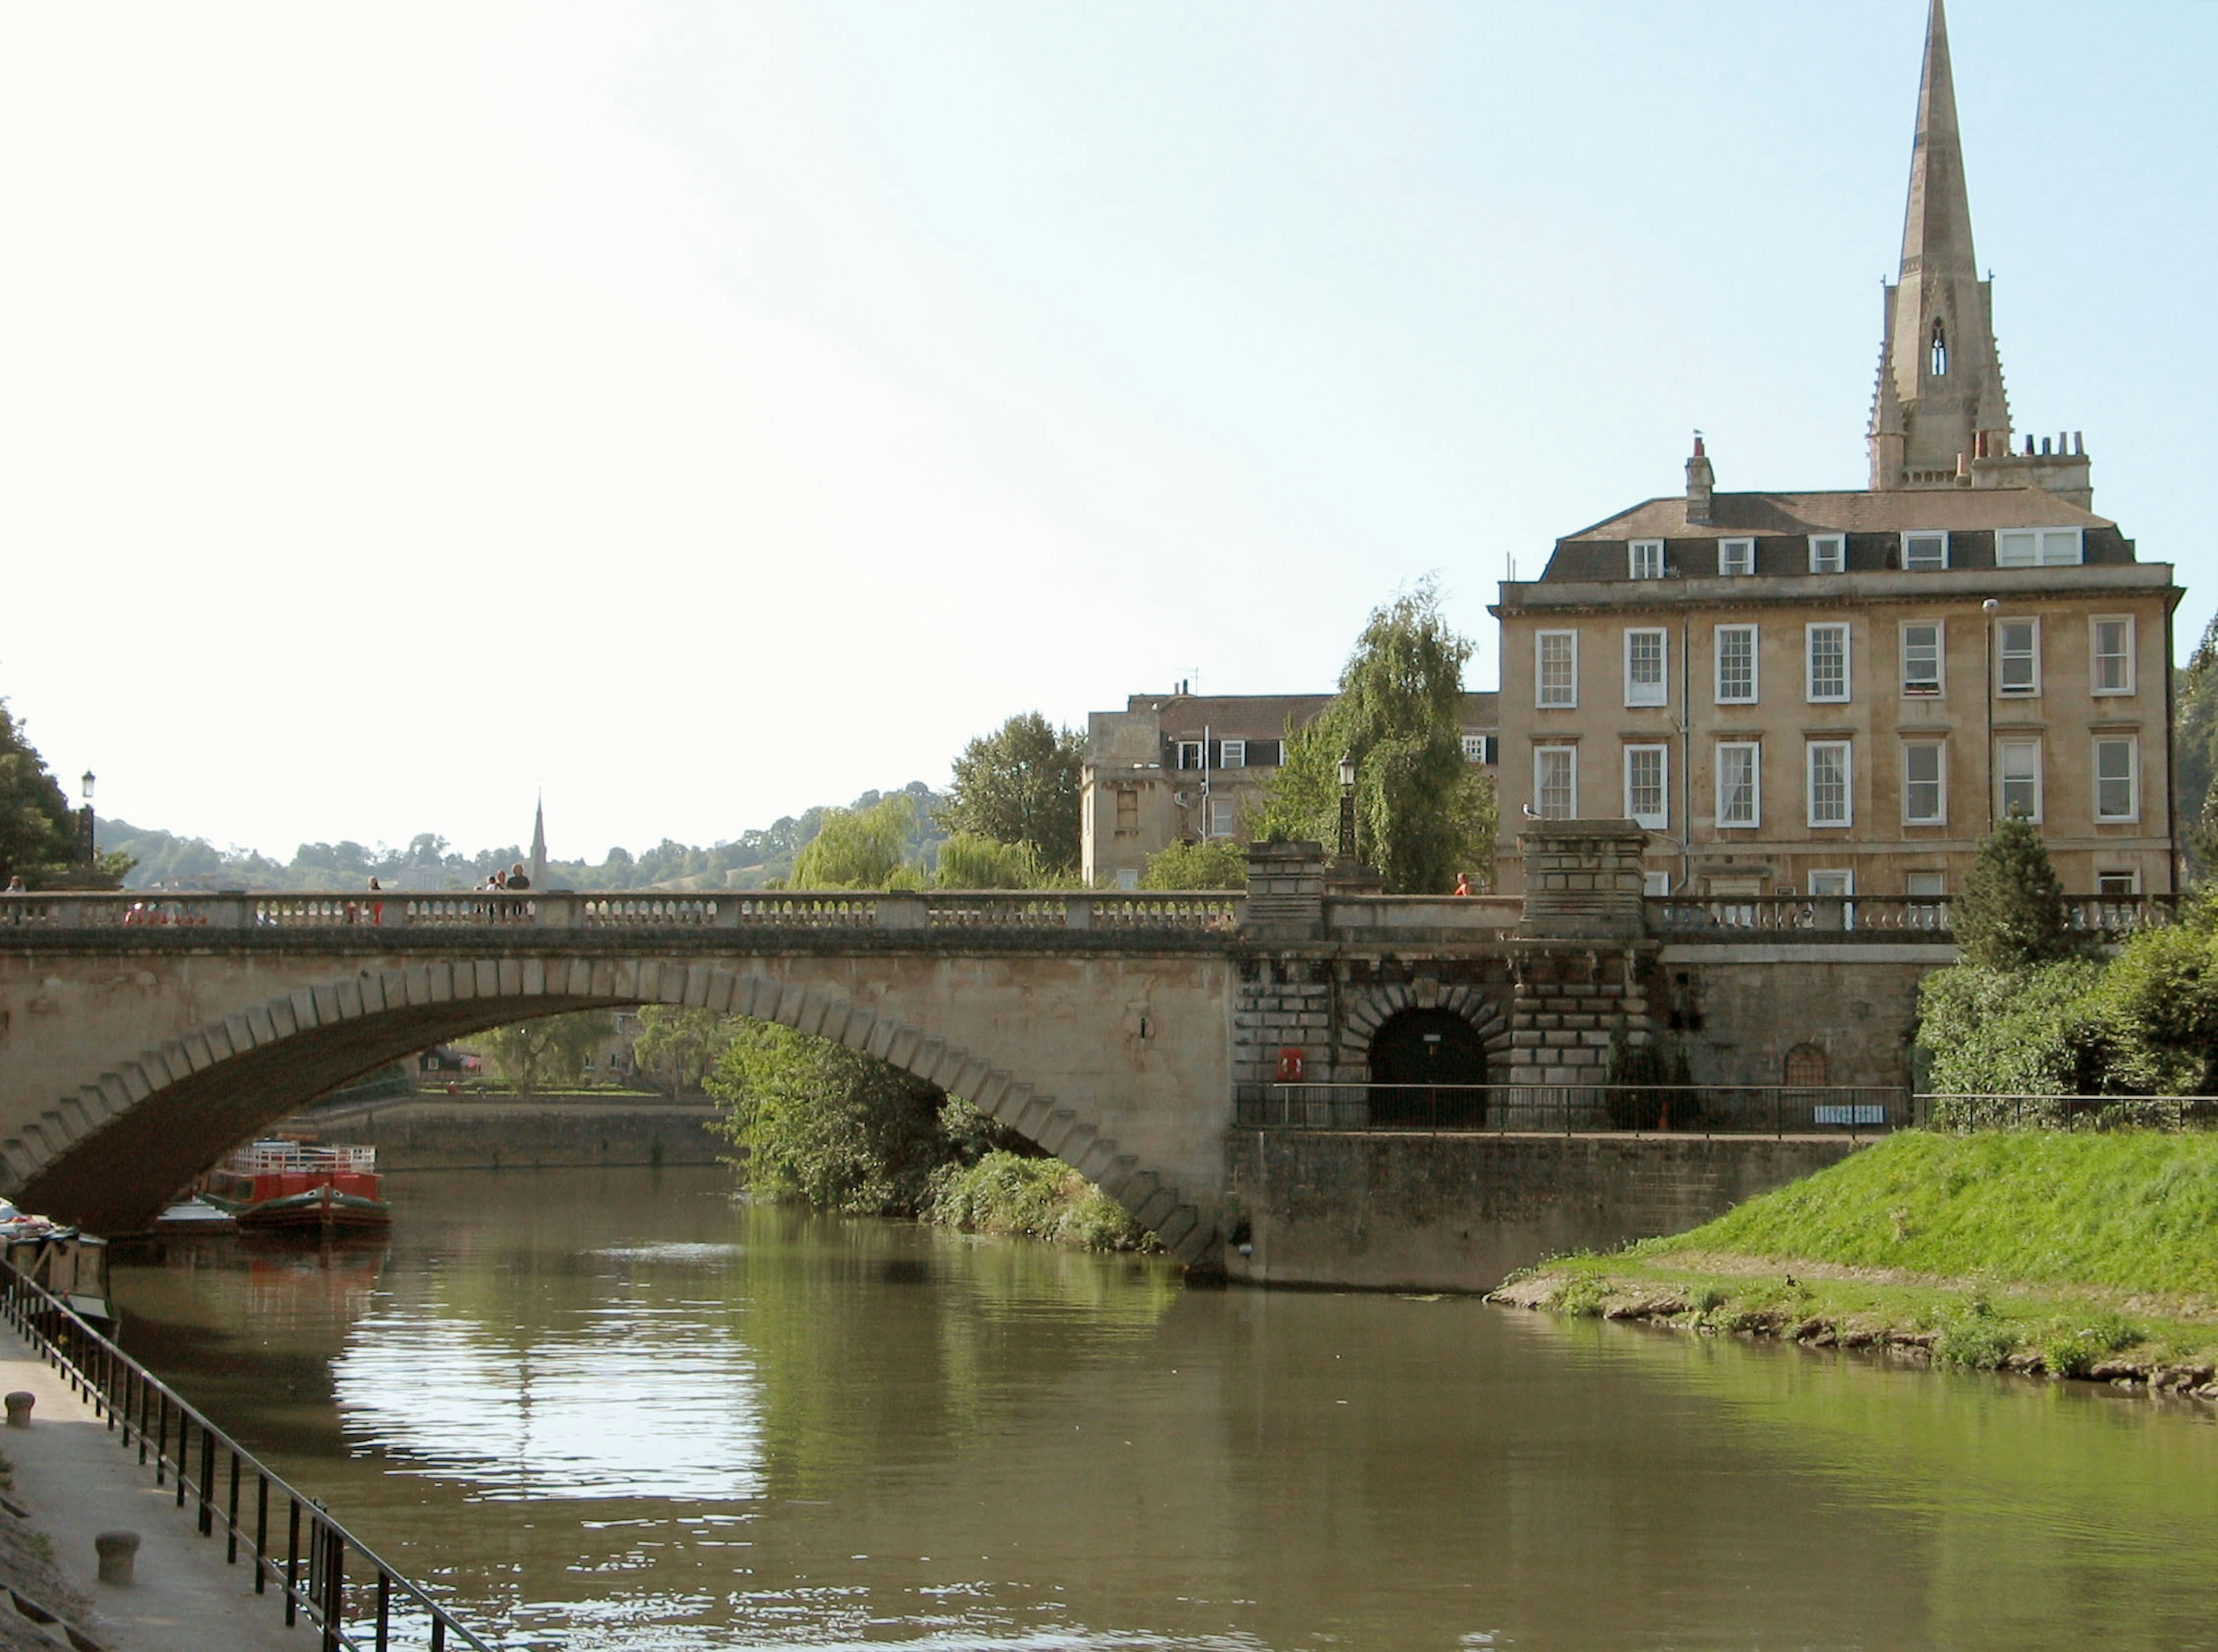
1566, 1009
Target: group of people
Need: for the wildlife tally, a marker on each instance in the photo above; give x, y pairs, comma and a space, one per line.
511, 879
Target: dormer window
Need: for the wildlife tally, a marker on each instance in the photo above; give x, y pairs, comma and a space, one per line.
1829, 554
1647, 558
1925, 550
1937, 357
1736, 557
2040, 547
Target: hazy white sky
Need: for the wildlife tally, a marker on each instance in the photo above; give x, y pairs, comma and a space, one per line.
705, 411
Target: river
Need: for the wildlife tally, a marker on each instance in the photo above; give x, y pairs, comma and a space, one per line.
617, 1409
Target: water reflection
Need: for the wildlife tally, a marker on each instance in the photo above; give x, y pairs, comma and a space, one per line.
614, 1409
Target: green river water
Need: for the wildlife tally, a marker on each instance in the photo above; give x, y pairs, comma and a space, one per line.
617, 1409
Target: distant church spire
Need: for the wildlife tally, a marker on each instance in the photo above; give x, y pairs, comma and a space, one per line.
539, 843
1940, 404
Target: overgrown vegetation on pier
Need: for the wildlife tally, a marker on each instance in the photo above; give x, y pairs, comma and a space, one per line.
2082, 1254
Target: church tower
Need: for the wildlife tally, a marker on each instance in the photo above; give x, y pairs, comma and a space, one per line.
1940, 416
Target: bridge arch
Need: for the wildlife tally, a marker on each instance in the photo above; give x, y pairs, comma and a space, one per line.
110, 1152
1367, 1008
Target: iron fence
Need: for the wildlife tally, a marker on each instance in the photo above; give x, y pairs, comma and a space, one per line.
1963, 1111
355, 1600
1574, 1109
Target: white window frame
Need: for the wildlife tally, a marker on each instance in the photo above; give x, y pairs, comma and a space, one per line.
2040, 547
1829, 553
1541, 754
1232, 754
1810, 760
1939, 783
1939, 890
2002, 688
1659, 692
1541, 699
1918, 690
1222, 821
1200, 751
2133, 877
1718, 656
1920, 536
1755, 752
1843, 877
1735, 559
2003, 779
2133, 778
1643, 559
1658, 819
2096, 656
1475, 748
1656, 885
1810, 662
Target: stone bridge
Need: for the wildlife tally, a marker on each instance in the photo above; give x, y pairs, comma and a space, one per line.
142, 1037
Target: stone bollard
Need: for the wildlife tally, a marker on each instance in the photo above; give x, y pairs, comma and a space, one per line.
19, 1409
119, 1552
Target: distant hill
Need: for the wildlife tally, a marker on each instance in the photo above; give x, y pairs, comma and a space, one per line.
757, 857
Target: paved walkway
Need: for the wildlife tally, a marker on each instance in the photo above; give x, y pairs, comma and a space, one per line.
76, 1480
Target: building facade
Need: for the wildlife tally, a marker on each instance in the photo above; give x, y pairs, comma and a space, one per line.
1840, 693
1179, 766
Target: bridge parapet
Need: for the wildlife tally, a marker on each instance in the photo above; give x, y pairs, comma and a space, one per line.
994, 911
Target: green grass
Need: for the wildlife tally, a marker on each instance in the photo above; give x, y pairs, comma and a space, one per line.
2072, 1254
2128, 1211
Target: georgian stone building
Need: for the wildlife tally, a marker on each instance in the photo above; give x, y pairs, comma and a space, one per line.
1841, 692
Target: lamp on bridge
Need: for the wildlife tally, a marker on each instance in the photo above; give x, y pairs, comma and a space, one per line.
1348, 807
86, 841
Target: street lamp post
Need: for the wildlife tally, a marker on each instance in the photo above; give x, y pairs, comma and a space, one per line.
86, 841
1348, 807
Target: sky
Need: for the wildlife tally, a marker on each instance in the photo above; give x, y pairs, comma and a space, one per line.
701, 412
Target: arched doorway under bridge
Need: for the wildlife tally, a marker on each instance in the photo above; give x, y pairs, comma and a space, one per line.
1418, 1058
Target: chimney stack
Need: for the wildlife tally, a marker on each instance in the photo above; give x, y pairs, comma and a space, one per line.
1700, 481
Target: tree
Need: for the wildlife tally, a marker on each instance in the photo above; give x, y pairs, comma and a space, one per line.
864, 849
38, 829
2011, 914
686, 1044
1019, 784
969, 861
551, 1050
1219, 864
2195, 752
1423, 814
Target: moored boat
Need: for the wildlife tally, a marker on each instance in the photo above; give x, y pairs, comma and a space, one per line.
293, 1187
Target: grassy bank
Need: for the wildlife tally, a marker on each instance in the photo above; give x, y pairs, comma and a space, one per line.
1039, 1198
2073, 1255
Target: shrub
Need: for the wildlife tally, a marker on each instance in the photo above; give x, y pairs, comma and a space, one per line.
2037, 1032
1219, 864
2011, 912
1041, 1198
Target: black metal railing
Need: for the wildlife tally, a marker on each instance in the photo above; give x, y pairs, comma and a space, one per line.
355, 1601
1964, 1111
1574, 1109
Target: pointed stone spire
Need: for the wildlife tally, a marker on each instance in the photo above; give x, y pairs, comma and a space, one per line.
1940, 397
539, 843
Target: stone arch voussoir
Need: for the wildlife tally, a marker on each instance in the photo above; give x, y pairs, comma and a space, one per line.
1366, 1009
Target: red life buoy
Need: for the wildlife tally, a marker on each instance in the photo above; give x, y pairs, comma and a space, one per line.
1290, 1066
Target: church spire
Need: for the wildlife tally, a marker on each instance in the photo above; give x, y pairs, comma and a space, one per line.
539, 843
1940, 403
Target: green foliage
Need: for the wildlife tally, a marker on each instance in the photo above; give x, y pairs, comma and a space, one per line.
1039, 1198
1218, 863
1660, 1092
1423, 814
2133, 1210
2195, 754
38, 830
969, 862
1020, 785
550, 1052
865, 849
2030, 1033
682, 1046
2011, 912
828, 1126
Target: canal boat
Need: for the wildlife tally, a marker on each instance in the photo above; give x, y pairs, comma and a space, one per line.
296, 1188
71, 1264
